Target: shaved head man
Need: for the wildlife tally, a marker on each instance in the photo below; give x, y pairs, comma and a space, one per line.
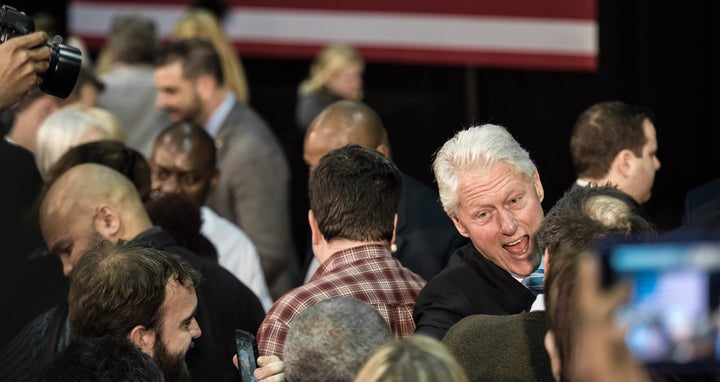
72, 224
342, 123
425, 236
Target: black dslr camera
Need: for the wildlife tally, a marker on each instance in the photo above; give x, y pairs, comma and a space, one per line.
60, 78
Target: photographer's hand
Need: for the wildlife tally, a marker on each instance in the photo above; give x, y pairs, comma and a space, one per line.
601, 353
22, 59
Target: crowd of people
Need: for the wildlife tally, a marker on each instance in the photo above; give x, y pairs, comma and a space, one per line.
148, 217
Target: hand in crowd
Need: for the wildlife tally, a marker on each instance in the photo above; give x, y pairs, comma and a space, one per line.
270, 369
21, 60
602, 354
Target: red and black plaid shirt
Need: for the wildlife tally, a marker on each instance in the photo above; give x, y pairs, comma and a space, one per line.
368, 273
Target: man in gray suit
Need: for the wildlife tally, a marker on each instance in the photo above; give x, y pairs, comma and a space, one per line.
254, 185
129, 92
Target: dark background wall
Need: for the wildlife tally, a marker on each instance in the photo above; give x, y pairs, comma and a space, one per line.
654, 54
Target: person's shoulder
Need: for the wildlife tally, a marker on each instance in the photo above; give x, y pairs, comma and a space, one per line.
704, 192
476, 325
292, 303
451, 281
214, 223
242, 115
482, 322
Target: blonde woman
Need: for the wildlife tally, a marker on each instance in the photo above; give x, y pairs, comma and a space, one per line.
201, 23
69, 127
335, 74
417, 358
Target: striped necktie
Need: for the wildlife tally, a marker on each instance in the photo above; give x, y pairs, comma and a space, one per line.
534, 282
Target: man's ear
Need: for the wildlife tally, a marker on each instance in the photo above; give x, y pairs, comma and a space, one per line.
107, 222
624, 163
394, 236
546, 263
205, 85
553, 353
316, 235
538, 186
460, 228
384, 150
143, 338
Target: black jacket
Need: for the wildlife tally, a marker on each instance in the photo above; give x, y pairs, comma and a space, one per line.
475, 285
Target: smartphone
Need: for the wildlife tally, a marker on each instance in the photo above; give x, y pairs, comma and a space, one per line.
247, 354
672, 318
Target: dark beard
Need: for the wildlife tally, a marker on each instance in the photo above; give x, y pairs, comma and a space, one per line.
173, 366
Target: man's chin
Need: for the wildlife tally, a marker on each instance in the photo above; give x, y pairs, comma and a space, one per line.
173, 366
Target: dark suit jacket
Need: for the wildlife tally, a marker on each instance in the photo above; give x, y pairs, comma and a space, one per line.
501, 348
702, 202
224, 304
474, 286
253, 192
426, 237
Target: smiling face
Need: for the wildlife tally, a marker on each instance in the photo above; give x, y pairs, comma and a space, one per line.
178, 330
499, 210
176, 94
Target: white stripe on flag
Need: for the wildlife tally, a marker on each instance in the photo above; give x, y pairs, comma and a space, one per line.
380, 29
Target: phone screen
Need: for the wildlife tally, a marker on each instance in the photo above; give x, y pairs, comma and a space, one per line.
672, 318
247, 354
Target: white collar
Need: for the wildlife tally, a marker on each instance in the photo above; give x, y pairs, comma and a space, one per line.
214, 123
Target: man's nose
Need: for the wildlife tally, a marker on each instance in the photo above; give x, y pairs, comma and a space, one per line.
508, 224
171, 185
67, 268
195, 329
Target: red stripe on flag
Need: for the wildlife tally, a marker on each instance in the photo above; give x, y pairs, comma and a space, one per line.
561, 9
430, 56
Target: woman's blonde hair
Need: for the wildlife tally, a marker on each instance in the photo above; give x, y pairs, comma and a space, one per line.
200, 23
327, 63
417, 358
68, 127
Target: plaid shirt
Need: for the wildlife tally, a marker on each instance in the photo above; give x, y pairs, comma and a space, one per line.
368, 273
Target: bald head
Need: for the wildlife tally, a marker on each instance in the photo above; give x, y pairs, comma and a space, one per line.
342, 123
87, 204
190, 137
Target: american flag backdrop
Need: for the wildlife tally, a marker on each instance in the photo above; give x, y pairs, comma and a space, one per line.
523, 34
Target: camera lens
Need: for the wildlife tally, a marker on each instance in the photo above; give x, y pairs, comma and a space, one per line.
60, 78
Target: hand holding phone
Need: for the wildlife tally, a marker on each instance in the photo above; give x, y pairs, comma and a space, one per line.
247, 354
672, 320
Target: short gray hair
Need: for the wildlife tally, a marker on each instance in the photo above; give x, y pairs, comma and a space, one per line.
332, 340
473, 150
